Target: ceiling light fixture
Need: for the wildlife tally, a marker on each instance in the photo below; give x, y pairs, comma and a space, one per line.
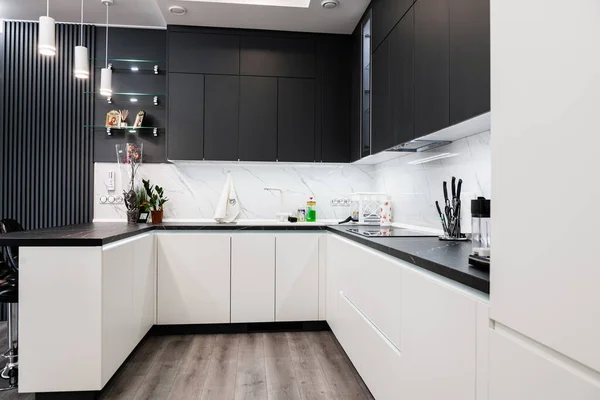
82, 67
106, 73
270, 3
330, 4
433, 158
47, 39
177, 10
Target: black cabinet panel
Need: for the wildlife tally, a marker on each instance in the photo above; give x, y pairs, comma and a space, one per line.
402, 80
204, 53
386, 14
381, 103
296, 119
431, 66
355, 120
276, 56
185, 136
469, 59
221, 113
258, 118
335, 77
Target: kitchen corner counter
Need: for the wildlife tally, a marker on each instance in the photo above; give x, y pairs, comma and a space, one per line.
448, 259
102, 233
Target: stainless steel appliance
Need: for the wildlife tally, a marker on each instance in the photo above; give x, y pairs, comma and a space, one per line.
481, 227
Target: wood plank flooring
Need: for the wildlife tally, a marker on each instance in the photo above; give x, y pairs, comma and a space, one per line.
255, 366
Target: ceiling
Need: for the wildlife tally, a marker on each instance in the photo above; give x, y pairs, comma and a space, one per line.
216, 13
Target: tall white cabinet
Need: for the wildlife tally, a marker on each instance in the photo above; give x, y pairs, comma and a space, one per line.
194, 278
545, 269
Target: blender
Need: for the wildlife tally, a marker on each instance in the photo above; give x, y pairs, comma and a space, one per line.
481, 227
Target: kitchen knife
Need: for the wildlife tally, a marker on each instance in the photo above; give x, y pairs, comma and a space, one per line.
458, 189
437, 205
453, 190
445, 192
448, 208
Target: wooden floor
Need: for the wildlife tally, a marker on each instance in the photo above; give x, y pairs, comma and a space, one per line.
269, 366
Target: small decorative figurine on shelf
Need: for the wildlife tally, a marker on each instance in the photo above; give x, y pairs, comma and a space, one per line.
139, 119
113, 119
124, 115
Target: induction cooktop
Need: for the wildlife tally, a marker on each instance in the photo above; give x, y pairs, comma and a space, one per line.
376, 231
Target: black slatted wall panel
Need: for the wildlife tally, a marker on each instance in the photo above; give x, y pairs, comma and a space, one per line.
46, 154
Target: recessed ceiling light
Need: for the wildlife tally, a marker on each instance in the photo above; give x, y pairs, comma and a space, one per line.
272, 3
329, 4
177, 10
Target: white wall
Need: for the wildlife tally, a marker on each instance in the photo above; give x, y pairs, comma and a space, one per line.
415, 188
195, 188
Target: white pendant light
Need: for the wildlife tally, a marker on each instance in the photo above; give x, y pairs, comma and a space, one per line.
106, 73
82, 66
47, 39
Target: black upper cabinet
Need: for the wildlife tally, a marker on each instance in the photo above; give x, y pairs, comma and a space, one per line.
296, 119
335, 77
386, 14
277, 56
381, 134
221, 111
402, 80
432, 97
355, 120
469, 59
258, 118
203, 53
185, 136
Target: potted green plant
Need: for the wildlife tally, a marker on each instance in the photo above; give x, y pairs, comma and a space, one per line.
156, 200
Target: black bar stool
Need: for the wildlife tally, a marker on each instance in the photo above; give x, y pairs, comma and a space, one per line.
9, 295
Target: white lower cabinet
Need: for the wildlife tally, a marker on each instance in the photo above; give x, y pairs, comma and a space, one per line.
521, 370
409, 333
194, 278
253, 277
372, 282
439, 341
375, 358
297, 277
128, 298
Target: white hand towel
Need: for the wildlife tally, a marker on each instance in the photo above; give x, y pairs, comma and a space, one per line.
228, 207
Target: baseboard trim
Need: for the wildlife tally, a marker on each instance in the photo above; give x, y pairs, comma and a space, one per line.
91, 395
254, 327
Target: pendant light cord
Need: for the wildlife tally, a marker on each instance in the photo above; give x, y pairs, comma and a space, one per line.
107, 36
81, 26
47, 8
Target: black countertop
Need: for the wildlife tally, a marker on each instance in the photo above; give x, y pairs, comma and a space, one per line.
448, 259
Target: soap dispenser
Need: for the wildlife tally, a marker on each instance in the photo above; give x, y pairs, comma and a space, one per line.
311, 210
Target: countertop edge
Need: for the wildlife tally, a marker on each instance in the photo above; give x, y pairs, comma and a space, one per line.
474, 282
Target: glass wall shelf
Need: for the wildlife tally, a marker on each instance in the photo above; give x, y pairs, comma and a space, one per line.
131, 129
130, 65
133, 98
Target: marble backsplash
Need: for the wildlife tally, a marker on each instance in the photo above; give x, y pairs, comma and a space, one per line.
195, 187
415, 187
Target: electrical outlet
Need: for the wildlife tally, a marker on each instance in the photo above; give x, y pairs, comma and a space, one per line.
341, 202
